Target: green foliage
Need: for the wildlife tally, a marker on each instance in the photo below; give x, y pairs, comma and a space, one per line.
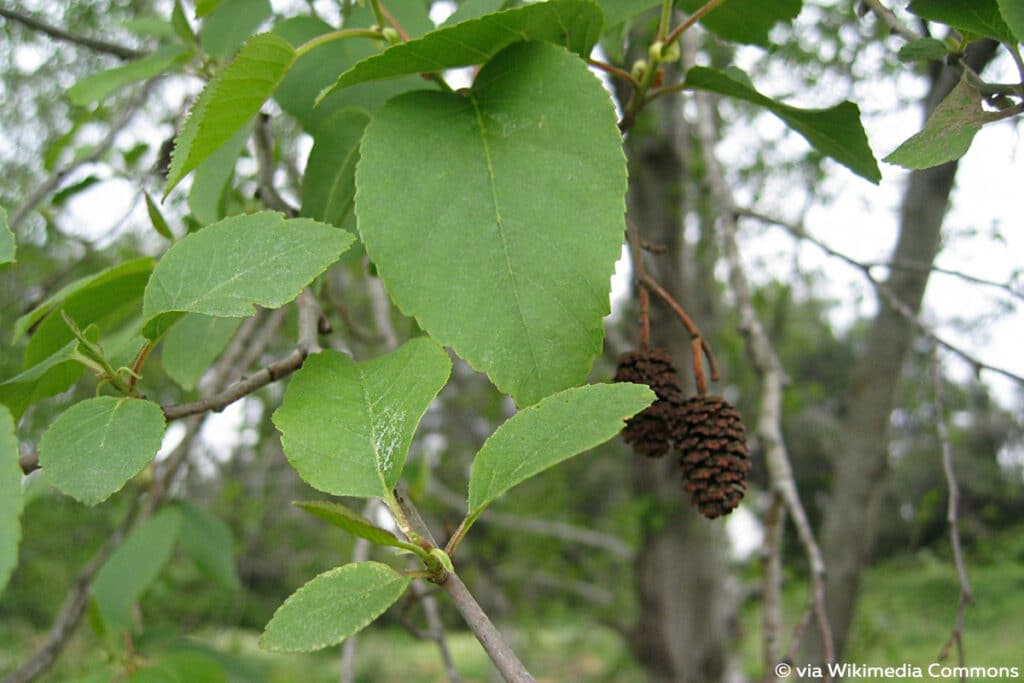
523, 179
97, 445
618, 11
210, 544
948, 133
193, 343
183, 666
333, 606
573, 23
10, 498
342, 517
329, 184
8, 247
204, 7
923, 50
549, 432
157, 220
1012, 12
207, 198
98, 87
229, 25
746, 21
225, 269
229, 101
45, 379
835, 132
977, 17
346, 426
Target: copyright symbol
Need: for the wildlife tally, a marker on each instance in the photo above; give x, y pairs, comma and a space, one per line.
782, 670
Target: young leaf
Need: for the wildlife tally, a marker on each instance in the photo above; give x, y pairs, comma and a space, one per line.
948, 133
97, 445
133, 567
99, 86
523, 181
11, 500
981, 17
193, 343
333, 606
923, 50
226, 268
229, 101
230, 24
329, 185
745, 21
45, 379
355, 524
1012, 12
157, 220
183, 29
549, 432
573, 23
7, 243
210, 544
206, 197
346, 426
835, 132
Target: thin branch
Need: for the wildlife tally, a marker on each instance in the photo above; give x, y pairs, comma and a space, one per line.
956, 636
1010, 288
96, 45
692, 19
771, 584
265, 168
614, 71
891, 20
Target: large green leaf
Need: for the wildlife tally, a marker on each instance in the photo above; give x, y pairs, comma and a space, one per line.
1012, 12
618, 11
97, 445
505, 235
7, 243
206, 197
45, 379
835, 132
329, 183
99, 86
133, 567
549, 432
193, 343
346, 426
229, 101
182, 666
746, 21
573, 23
208, 540
948, 133
230, 24
11, 499
333, 606
226, 268
342, 517
980, 17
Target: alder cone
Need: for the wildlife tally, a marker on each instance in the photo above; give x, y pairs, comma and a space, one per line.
713, 454
650, 431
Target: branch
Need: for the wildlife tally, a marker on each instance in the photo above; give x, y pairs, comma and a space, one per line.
119, 51
890, 19
771, 584
1011, 288
264, 144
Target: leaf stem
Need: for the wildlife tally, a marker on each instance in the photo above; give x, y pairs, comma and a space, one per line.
693, 19
337, 35
614, 71
664, 20
378, 13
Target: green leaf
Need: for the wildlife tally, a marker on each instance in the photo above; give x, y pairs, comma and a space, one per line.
333, 606
11, 499
522, 180
549, 432
98, 87
346, 426
471, 9
193, 343
948, 133
94, 447
157, 220
618, 11
230, 25
229, 101
981, 17
8, 247
183, 29
923, 50
835, 132
45, 379
210, 544
151, 27
573, 23
61, 198
183, 666
132, 568
745, 21
210, 184
204, 7
329, 185
1012, 12
223, 270
342, 517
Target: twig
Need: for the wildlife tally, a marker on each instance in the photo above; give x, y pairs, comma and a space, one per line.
692, 19
798, 634
119, 51
265, 168
436, 632
891, 20
1009, 287
956, 636
771, 583
644, 296
614, 71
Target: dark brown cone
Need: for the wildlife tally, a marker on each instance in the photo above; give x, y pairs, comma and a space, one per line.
713, 454
650, 431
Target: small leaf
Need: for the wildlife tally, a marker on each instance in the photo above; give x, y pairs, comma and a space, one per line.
573, 23
212, 180
948, 133
836, 132
333, 606
981, 17
523, 181
346, 426
329, 183
204, 7
549, 432
48, 378
229, 101
97, 445
11, 498
443, 557
746, 21
157, 220
230, 24
355, 524
1012, 12
210, 544
923, 50
7, 243
98, 87
193, 343
183, 29
223, 270
132, 568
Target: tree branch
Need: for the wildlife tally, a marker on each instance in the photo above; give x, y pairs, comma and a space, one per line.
889, 18
119, 51
265, 168
771, 584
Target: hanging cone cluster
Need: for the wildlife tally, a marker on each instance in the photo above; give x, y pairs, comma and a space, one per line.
713, 454
651, 432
